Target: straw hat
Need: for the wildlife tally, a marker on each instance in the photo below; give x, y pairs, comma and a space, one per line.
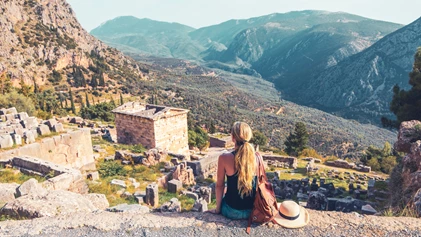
291, 215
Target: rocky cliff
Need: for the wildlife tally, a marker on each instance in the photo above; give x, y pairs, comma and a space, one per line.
407, 176
361, 86
39, 36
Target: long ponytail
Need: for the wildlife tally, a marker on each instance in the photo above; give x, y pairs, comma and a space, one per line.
245, 160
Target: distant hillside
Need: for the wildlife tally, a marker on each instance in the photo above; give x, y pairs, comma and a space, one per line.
41, 37
150, 37
224, 97
360, 87
288, 49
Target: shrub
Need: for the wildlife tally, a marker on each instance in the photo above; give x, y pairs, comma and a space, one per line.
309, 152
374, 164
111, 168
100, 111
19, 101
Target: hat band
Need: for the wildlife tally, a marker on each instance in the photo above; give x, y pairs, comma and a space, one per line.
289, 217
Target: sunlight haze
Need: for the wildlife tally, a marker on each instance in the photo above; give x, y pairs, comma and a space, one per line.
91, 13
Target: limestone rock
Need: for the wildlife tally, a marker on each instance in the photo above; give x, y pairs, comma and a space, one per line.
140, 197
184, 173
317, 201
58, 128
172, 206
206, 194
43, 130
133, 208
368, 210
30, 187
76, 120
7, 192
6, 141
17, 139
200, 206
151, 197
118, 182
50, 204
28, 137
98, 200
408, 134
417, 202
192, 195
51, 123
174, 186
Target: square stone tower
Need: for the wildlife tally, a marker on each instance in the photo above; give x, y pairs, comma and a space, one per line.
152, 126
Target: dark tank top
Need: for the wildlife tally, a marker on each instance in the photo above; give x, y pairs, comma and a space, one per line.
233, 197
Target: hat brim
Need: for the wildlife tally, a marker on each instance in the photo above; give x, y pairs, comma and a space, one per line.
301, 221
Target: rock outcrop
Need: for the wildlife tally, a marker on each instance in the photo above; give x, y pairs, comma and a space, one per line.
409, 141
34, 201
44, 35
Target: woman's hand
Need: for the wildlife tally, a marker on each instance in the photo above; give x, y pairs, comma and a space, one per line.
214, 211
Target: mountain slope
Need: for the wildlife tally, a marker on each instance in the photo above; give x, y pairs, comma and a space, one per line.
147, 36
361, 86
44, 35
292, 62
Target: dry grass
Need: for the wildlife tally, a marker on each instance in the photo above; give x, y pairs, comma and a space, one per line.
13, 176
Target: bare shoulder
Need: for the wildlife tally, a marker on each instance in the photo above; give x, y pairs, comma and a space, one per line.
226, 156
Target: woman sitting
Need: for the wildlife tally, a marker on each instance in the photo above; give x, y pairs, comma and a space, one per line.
239, 167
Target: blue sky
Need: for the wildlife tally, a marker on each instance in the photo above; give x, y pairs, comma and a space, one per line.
199, 13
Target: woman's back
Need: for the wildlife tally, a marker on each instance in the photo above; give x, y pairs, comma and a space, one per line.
232, 196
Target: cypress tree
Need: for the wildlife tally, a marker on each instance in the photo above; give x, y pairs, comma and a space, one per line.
101, 81
88, 104
112, 102
72, 103
121, 99
94, 82
297, 140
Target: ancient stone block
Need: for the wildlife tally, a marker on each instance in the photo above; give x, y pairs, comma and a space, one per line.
7, 192
368, 210
151, 197
43, 130
76, 120
10, 117
173, 205
140, 197
58, 128
192, 195
3, 111
98, 200
93, 175
17, 139
200, 206
30, 187
174, 186
11, 111
184, 173
22, 115
206, 194
118, 182
29, 123
6, 141
51, 123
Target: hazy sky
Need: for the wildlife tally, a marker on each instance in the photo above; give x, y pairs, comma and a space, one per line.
199, 13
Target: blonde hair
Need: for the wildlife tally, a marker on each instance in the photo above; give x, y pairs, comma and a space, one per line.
245, 160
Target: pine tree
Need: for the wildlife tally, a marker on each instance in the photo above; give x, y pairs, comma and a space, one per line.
297, 140
121, 99
88, 104
406, 104
72, 103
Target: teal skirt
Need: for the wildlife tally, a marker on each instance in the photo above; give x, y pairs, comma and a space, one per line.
232, 213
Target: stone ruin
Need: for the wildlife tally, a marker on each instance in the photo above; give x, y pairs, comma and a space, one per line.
409, 142
65, 191
281, 161
150, 157
152, 126
346, 165
18, 128
220, 140
320, 196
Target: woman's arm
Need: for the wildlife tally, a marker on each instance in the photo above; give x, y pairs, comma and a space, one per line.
220, 183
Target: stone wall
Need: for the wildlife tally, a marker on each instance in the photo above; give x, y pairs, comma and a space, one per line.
291, 161
171, 133
206, 167
72, 149
224, 142
135, 130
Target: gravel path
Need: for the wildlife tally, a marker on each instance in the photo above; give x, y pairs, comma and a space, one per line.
198, 224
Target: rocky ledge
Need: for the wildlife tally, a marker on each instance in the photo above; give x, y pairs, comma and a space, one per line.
103, 223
